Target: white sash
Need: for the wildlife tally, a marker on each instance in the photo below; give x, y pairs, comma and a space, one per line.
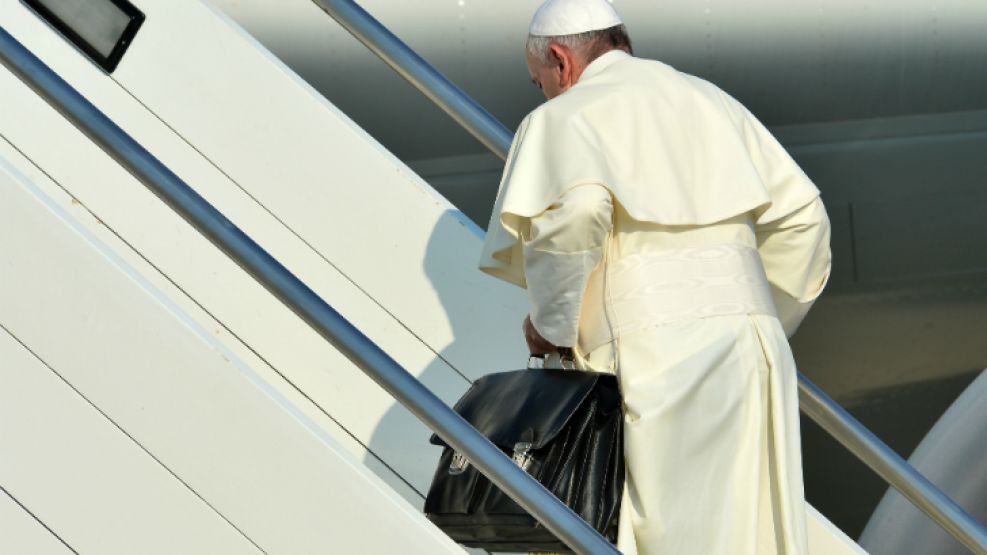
666, 286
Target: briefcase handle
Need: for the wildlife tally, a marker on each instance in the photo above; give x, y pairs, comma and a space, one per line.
566, 357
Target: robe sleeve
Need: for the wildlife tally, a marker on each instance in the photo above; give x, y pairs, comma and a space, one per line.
797, 260
793, 233
561, 248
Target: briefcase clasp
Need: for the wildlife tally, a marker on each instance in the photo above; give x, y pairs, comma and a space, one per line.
522, 454
459, 464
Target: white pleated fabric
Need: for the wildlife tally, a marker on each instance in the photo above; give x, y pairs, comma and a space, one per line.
716, 245
677, 284
712, 442
711, 439
672, 148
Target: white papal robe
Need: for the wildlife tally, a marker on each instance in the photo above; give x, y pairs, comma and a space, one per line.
663, 233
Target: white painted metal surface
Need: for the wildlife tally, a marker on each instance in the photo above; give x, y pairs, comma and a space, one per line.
80, 474
189, 403
322, 196
432, 251
825, 538
951, 455
336, 187
22, 533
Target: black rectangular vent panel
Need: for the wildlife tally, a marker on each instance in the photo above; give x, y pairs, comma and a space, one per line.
101, 29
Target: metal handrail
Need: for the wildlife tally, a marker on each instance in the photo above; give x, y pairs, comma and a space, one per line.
304, 302
891, 466
406, 62
817, 405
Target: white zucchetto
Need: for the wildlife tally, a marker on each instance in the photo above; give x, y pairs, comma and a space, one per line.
568, 17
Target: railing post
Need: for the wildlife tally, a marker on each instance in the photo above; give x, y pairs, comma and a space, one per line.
304, 302
891, 467
407, 63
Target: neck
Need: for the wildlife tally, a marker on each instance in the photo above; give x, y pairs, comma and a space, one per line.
578, 68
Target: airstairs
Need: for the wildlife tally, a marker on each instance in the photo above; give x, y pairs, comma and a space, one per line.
154, 397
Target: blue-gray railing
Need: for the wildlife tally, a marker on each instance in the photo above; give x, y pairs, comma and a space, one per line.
304, 302
813, 401
406, 62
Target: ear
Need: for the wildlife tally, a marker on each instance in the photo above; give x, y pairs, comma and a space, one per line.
562, 61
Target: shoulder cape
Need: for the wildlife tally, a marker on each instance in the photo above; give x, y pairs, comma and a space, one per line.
671, 148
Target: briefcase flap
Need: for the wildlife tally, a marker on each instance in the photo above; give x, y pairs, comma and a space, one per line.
528, 405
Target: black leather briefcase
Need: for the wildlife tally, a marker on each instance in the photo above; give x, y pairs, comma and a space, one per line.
564, 427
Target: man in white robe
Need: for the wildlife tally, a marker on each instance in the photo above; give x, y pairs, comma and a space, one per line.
664, 235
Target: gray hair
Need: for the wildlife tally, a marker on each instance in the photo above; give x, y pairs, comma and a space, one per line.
589, 44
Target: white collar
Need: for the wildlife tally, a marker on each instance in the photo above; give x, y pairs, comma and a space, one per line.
602, 62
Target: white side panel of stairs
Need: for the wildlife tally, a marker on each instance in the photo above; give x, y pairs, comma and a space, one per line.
825, 538
187, 401
222, 296
305, 182
22, 533
76, 471
328, 180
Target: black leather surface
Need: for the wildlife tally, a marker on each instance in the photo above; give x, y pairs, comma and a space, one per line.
574, 421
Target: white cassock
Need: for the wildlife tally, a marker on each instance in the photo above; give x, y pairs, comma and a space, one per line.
667, 236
